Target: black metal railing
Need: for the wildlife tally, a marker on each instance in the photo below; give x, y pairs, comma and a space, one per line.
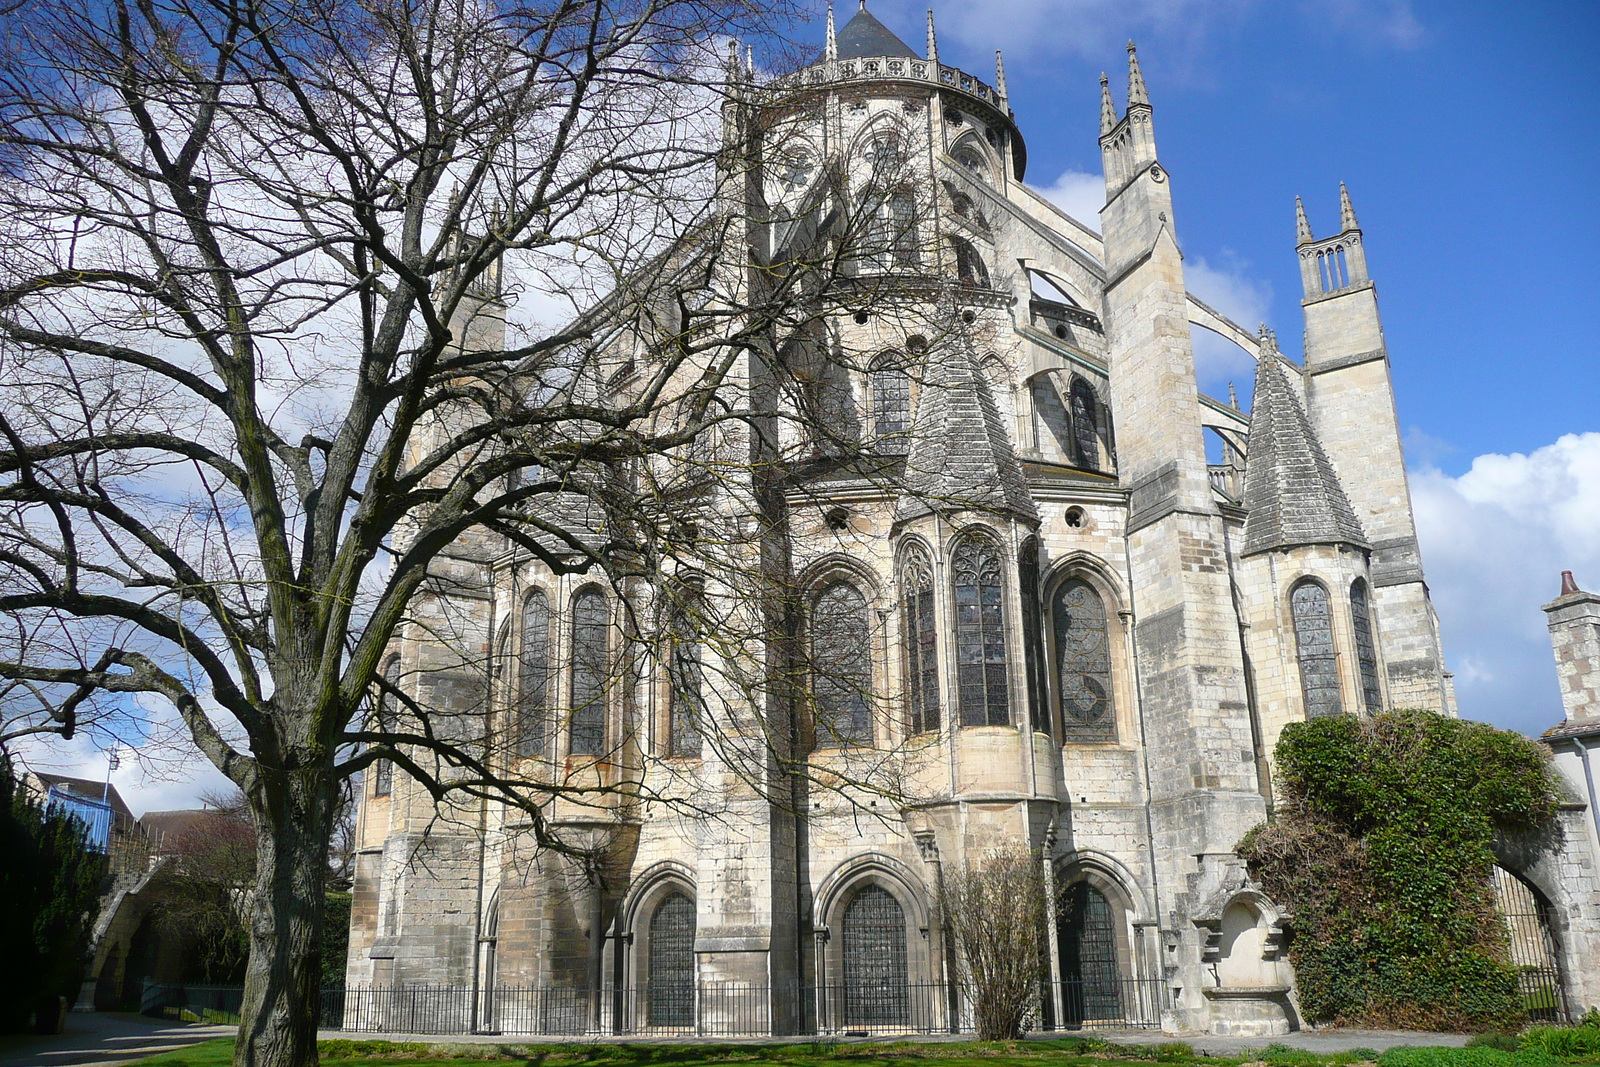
707, 1009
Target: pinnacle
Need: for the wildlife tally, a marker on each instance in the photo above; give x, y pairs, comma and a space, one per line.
1302, 227
1137, 93
1347, 214
1108, 110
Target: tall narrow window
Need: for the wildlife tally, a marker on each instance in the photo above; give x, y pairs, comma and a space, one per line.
891, 403
1083, 662
1032, 633
981, 662
970, 269
841, 657
387, 719
873, 932
1319, 665
1091, 975
1366, 657
533, 677
685, 693
1085, 426
671, 962
591, 626
921, 640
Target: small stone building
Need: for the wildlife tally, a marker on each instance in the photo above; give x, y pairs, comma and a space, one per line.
1073, 611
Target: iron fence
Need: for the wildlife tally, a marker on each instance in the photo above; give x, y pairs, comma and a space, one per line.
706, 1009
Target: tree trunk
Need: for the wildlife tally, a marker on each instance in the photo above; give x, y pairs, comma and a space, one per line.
282, 986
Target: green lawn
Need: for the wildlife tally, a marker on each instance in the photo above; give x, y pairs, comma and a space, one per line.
1063, 1052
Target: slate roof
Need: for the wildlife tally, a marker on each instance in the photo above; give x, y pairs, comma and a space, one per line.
865, 36
960, 455
1291, 490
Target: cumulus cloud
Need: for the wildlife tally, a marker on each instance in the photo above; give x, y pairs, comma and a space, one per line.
1228, 287
1079, 194
1495, 541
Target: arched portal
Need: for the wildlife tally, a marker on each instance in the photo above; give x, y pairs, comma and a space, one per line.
1533, 949
1091, 956
670, 962
873, 933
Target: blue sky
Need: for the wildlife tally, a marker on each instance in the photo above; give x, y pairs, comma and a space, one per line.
1468, 133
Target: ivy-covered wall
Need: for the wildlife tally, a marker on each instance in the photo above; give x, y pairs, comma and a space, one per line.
1380, 848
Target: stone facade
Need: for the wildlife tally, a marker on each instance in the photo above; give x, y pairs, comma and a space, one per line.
1074, 632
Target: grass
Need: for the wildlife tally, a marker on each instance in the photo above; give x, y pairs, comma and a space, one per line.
1059, 1052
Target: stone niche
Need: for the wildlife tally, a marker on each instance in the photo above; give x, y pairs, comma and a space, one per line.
1251, 992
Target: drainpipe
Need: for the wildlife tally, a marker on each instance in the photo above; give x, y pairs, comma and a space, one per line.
1582, 744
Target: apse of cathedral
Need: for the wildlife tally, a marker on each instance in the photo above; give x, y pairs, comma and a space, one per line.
1070, 608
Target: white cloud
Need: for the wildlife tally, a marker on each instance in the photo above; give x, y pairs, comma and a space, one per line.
1495, 541
1383, 22
1247, 301
1080, 195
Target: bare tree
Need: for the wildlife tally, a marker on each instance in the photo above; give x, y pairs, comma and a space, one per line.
266, 386
994, 904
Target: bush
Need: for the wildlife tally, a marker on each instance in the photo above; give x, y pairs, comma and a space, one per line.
1381, 848
1567, 1041
49, 894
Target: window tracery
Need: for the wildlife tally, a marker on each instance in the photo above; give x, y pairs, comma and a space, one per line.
981, 659
591, 625
841, 654
1319, 662
1366, 654
919, 623
891, 403
1083, 662
533, 677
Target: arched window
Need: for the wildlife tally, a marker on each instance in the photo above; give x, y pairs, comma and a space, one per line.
1085, 424
970, 269
920, 637
873, 936
981, 661
591, 631
973, 163
1366, 656
841, 656
1083, 662
387, 719
685, 690
891, 403
1091, 973
1319, 665
670, 966
533, 677
1032, 633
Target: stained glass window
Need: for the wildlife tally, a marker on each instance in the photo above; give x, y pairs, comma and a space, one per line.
533, 677
591, 626
1319, 665
1083, 662
388, 718
920, 637
981, 662
671, 962
1091, 975
841, 650
1361, 617
685, 695
1085, 426
891, 403
873, 935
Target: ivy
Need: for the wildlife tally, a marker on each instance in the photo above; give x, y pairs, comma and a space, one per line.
1380, 848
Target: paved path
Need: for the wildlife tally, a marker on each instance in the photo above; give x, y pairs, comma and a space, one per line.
103, 1039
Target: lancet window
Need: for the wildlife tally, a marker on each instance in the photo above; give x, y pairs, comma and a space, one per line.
387, 718
919, 621
591, 631
841, 657
1033, 634
1366, 655
981, 660
1085, 423
533, 677
1319, 663
686, 682
1083, 662
891, 403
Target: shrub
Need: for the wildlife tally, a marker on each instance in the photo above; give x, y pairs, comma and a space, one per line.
1381, 848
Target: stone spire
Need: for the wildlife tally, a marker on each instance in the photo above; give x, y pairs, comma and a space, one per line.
933, 43
1302, 226
1291, 491
1108, 110
1136, 90
999, 75
961, 456
830, 46
1347, 214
